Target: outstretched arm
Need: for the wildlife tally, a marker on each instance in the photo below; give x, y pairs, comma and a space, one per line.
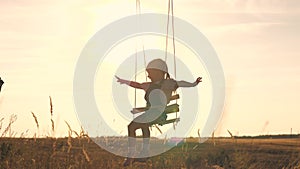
188, 84
129, 83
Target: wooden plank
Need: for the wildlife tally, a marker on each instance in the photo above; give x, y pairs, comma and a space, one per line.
169, 109
169, 121
172, 108
139, 110
174, 97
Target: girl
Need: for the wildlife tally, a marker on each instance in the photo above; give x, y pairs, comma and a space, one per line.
158, 93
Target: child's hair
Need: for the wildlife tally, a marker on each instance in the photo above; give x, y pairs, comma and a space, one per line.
168, 76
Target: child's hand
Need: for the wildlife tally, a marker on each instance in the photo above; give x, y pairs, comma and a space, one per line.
198, 80
121, 81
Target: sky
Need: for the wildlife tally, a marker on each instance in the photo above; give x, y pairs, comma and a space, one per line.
257, 43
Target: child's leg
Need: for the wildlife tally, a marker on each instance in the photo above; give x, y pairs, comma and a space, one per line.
131, 138
131, 142
146, 131
132, 127
146, 139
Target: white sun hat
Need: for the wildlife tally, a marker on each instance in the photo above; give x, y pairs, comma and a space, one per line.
158, 64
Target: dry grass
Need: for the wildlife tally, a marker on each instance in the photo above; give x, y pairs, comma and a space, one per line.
245, 153
1, 122
12, 119
78, 151
51, 113
36, 120
85, 154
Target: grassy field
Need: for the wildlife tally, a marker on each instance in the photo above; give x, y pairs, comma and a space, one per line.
263, 152
218, 153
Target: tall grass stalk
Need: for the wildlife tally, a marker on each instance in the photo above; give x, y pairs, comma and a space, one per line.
36, 122
213, 138
231, 136
85, 154
12, 119
158, 128
199, 136
51, 113
69, 142
1, 122
69, 127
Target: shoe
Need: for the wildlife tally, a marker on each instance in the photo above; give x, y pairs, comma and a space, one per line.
141, 160
142, 157
128, 162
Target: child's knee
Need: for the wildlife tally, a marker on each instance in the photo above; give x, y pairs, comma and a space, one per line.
131, 126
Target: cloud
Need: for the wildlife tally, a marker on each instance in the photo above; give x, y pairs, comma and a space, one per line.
250, 6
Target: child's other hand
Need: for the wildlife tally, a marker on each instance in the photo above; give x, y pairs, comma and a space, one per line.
121, 81
198, 80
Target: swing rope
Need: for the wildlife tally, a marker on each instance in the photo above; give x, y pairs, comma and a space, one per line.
167, 36
135, 76
173, 27
170, 9
138, 22
137, 11
145, 63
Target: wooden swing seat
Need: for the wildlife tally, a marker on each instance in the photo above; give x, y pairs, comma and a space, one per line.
162, 119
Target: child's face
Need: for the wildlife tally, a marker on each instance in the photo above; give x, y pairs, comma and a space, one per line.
155, 75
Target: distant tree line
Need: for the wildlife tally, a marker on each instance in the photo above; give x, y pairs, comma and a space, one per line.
272, 136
